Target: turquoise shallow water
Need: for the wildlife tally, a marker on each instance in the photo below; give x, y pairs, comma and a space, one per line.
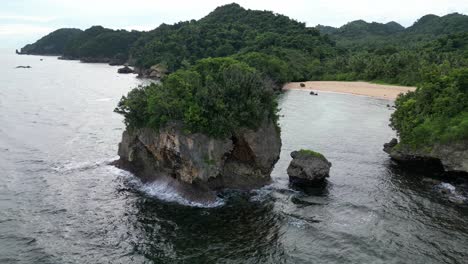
61, 203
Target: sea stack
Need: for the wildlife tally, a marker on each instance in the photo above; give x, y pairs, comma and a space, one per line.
198, 138
243, 160
308, 168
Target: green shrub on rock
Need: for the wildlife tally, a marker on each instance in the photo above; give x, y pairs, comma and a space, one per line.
214, 97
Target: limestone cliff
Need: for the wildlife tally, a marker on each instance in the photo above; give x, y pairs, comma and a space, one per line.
243, 160
451, 157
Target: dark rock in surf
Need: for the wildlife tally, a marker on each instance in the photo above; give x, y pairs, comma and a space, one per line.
23, 67
308, 168
125, 70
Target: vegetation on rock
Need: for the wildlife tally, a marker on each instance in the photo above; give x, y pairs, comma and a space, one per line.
311, 153
437, 112
214, 97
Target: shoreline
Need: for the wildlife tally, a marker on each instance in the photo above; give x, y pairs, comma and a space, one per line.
382, 91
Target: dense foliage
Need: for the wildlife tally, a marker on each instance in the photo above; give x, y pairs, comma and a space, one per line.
436, 112
391, 54
99, 42
52, 44
229, 30
95, 43
215, 97
262, 49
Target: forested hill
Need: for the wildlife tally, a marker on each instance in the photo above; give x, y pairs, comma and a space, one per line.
54, 43
228, 30
428, 27
280, 47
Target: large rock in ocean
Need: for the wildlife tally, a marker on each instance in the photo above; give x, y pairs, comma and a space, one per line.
450, 157
308, 168
200, 164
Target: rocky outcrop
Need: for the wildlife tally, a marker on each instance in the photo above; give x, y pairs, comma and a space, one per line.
451, 158
157, 71
200, 164
308, 168
387, 147
125, 70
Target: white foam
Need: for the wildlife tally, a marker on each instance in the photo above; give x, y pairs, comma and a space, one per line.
447, 186
162, 190
72, 166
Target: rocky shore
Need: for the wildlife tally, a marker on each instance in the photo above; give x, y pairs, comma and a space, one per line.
449, 158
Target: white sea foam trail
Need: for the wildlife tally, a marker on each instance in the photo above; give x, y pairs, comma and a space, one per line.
164, 190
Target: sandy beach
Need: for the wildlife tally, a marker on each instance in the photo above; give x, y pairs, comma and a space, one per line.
358, 88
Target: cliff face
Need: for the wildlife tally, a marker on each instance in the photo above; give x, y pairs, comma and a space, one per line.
244, 160
452, 158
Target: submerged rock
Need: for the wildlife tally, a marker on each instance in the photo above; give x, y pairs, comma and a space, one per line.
125, 70
197, 163
451, 158
308, 168
23, 67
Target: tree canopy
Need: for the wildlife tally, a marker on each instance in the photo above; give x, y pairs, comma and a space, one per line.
215, 97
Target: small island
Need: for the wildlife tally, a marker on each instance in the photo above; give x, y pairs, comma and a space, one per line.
209, 127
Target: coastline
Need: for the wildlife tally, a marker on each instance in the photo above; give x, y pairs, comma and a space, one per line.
389, 92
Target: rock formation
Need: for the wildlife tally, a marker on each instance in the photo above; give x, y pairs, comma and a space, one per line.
451, 158
198, 163
125, 70
308, 168
157, 71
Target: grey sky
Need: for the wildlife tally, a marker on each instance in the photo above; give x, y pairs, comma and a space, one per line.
24, 21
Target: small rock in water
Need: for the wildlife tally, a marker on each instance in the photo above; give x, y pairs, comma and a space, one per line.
308, 168
313, 93
23, 67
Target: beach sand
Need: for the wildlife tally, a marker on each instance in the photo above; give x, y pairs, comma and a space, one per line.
357, 88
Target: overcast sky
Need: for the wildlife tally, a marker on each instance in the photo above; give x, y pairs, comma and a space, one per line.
24, 21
